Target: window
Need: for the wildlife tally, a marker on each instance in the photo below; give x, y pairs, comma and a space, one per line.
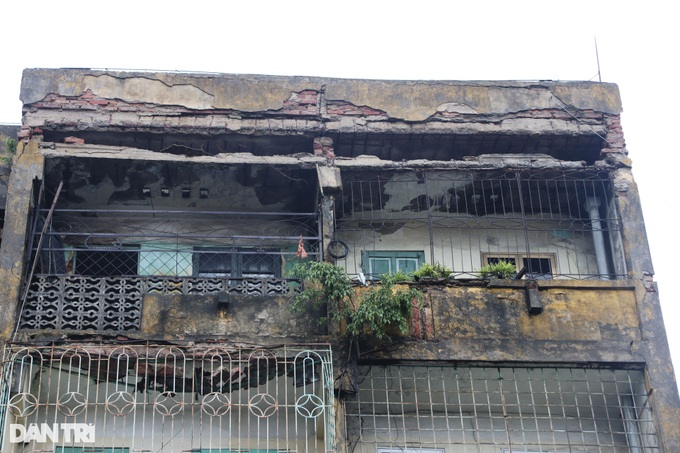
165, 259
378, 262
106, 263
538, 267
180, 261
223, 262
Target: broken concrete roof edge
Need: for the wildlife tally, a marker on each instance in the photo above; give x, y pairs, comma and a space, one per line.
409, 100
126, 73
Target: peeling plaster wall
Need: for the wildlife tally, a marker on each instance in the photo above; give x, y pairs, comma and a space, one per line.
210, 104
408, 100
118, 184
580, 322
247, 318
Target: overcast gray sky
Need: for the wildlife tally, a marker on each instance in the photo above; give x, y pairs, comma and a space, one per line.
481, 40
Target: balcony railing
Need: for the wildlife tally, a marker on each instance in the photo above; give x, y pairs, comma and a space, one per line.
95, 266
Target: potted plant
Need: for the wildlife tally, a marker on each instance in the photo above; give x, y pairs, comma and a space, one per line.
499, 269
429, 272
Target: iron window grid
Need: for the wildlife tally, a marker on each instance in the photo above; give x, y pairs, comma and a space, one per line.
456, 216
492, 409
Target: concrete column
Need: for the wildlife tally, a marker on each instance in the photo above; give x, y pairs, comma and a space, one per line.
28, 166
653, 346
328, 224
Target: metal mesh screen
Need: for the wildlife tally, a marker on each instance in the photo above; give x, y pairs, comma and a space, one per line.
564, 221
153, 398
100, 243
469, 409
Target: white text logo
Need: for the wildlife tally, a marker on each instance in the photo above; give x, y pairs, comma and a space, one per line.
57, 432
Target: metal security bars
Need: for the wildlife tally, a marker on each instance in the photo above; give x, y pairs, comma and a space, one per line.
155, 398
491, 410
95, 266
553, 223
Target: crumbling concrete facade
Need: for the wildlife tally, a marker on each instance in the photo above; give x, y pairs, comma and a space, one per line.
153, 221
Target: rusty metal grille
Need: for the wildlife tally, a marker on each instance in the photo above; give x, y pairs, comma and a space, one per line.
154, 398
114, 243
482, 409
555, 223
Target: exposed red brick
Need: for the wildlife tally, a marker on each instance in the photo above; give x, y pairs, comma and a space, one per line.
88, 94
416, 328
429, 323
75, 140
323, 146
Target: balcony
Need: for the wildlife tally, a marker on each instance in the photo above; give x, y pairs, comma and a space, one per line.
95, 266
551, 224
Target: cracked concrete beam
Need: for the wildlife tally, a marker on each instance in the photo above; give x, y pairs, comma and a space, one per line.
120, 152
407, 100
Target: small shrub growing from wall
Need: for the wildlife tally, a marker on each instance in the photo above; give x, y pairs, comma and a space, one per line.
377, 310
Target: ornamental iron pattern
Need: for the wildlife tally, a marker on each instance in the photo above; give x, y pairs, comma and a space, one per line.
195, 397
114, 304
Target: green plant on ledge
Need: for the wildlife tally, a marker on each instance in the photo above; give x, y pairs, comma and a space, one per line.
432, 271
499, 269
10, 148
377, 309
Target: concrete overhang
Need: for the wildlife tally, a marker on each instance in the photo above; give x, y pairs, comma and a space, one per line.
403, 99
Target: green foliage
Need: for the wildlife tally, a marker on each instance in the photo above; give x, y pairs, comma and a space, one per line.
500, 269
381, 307
432, 271
377, 309
399, 276
325, 283
10, 148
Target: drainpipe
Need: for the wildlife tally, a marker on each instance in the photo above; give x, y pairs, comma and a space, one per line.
593, 205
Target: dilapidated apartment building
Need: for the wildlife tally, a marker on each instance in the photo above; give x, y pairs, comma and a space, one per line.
152, 221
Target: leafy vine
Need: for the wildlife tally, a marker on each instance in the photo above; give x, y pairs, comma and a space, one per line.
377, 309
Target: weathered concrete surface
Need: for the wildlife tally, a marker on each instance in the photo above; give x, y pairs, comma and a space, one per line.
307, 160
28, 166
595, 323
408, 100
661, 380
653, 344
6, 131
255, 319
570, 120
94, 183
